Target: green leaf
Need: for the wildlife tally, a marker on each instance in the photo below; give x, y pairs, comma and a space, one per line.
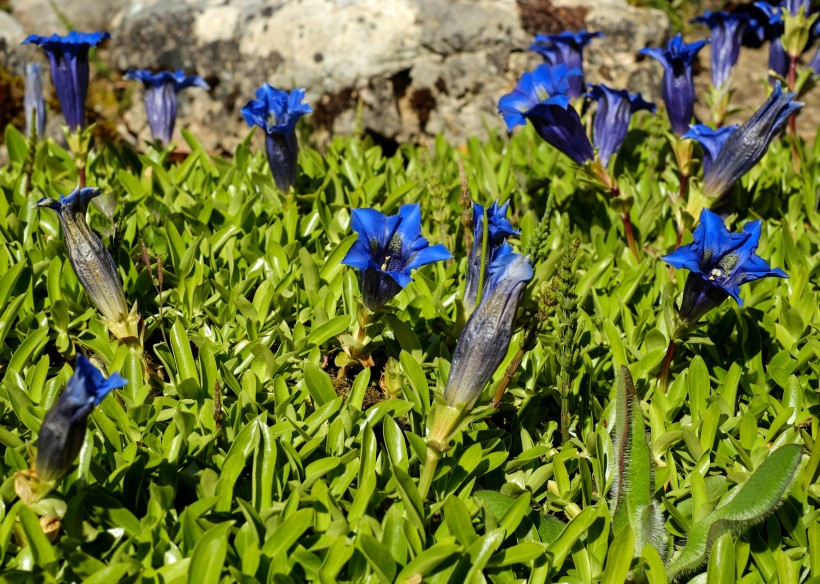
208, 557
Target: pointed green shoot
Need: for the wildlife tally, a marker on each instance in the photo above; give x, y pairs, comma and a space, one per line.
632, 500
749, 504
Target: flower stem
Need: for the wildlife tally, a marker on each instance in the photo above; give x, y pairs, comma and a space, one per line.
428, 472
793, 118
667, 364
629, 233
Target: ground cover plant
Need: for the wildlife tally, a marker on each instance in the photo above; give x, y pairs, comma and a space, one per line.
539, 357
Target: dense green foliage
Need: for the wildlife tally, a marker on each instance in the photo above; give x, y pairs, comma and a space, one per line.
251, 449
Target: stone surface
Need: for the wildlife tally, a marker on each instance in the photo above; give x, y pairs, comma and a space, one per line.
412, 68
38, 16
11, 33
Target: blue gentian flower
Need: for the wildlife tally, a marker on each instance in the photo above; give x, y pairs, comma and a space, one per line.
711, 141
615, 109
718, 262
747, 145
566, 48
161, 98
68, 56
727, 32
387, 250
63, 430
484, 341
33, 101
498, 229
92, 262
678, 89
277, 112
766, 24
541, 97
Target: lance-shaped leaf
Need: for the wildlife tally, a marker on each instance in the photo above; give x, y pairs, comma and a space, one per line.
749, 504
632, 502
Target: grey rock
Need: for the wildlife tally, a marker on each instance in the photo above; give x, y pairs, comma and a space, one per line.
11, 34
38, 17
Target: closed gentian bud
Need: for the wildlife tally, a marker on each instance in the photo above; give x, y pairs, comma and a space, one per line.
161, 91
566, 48
718, 262
388, 250
68, 56
541, 97
747, 145
498, 230
711, 141
277, 112
727, 32
484, 341
615, 109
678, 90
34, 104
92, 262
63, 430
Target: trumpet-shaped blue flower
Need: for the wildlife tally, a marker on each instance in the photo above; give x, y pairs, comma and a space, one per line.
566, 48
33, 101
68, 56
387, 250
541, 97
63, 430
615, 109
727, 33
711, 141
766, 24
277, 112
484, 341
92, 262
161, 91
814, 64
498, 230
747, 145
719, 262
678, 90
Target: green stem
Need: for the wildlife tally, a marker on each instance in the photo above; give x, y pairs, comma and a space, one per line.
667, 365
428, 472
483, 269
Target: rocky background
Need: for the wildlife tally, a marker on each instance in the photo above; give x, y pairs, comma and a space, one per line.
400, 70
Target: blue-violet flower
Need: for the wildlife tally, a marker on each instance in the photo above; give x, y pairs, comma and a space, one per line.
615, 109
387, 250
718, 262
277, 112
747, 145
33, 102
161, 91
498, 230
711, 141
68, 56
63, 430
484, 341
566, 48
727, 32
541, 97
678, 90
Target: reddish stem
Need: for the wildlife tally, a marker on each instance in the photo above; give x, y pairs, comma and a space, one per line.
628, 231
793, 118
667, 365
81, 173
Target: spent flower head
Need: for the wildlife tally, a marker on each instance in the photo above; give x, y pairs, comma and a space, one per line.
746, 146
